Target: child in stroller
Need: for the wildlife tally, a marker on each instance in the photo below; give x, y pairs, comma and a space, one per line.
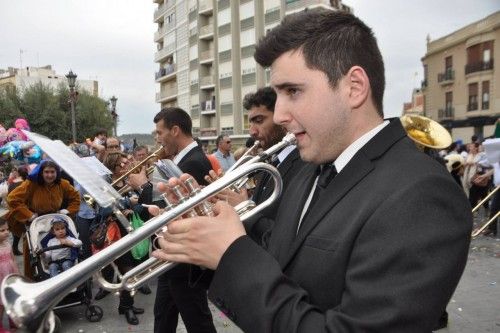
60, 259
38, 235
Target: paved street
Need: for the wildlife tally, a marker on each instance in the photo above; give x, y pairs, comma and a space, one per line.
475, 307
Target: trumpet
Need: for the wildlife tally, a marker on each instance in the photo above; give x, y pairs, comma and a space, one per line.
156, 154
30, 304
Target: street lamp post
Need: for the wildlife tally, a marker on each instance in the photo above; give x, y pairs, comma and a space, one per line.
72, 99
114, 114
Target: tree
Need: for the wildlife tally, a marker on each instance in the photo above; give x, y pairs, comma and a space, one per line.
49, 113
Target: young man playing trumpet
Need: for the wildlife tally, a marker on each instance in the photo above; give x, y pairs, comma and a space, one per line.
358, 246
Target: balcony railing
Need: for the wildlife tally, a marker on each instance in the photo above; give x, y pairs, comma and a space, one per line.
478, 66
447, 76
164, 52
208, 131
296, 4
206, 55
485, 106
424, 84
472, 106
160, 33
169, 69
160, 11
205, 7
167, 94
445, 113
207, 80
206, 30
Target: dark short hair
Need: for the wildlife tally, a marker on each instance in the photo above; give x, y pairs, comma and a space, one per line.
219, 139
142, 147
264, 96
332, 42
175, 117
101, 131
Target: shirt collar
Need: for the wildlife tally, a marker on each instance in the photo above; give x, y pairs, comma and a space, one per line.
353, 148
184, 152
285, 152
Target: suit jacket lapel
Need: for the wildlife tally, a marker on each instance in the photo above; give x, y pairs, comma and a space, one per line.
357, 168
284, 232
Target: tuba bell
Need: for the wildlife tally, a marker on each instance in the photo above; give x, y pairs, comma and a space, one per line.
426, 132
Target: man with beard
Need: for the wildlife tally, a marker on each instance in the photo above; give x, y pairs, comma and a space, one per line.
260, 106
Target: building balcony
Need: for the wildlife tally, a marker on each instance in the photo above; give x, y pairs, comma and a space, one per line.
472, 107
207, 32
478, 66
485, 106
167, 73
423, 84
207, 82
159, 12
208, 131
165, 52
206, 7
160, 33
298, 4
158, 1
446, 77
206, 56
446, 113
208, 107
167, 95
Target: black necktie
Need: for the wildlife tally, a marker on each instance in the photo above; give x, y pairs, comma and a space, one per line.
326, 173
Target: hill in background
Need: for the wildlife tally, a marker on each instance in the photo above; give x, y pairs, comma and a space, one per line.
142, 139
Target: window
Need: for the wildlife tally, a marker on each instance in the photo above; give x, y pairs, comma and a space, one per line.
485, 97
472, 106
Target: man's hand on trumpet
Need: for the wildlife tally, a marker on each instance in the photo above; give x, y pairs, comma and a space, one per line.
136, 180
199, 240
228, 195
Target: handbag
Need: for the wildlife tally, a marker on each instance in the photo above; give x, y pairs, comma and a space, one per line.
141, 249
98, 234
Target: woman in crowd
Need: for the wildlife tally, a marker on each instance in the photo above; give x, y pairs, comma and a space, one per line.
44, 192
118, 163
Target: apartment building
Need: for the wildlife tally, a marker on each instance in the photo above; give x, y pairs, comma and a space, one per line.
22, 78
461, 85
205, 57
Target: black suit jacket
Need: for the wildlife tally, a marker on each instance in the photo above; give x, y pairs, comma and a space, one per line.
382, 251
259, 226
195, 163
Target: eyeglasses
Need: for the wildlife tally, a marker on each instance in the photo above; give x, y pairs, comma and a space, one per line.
113, 147
228, 141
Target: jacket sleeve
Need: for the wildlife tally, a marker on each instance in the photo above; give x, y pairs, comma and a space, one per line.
18, 203
72, 196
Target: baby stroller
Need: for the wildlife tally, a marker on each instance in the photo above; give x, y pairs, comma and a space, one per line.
38, 235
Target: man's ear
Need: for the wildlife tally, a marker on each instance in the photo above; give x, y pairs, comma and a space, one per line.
359, 86
175, 130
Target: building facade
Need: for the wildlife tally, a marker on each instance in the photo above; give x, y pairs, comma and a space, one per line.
205, 57
21, 78
461, 85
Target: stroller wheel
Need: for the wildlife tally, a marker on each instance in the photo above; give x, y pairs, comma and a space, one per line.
93, 313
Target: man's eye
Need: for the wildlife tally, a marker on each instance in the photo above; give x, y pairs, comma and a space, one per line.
291, 91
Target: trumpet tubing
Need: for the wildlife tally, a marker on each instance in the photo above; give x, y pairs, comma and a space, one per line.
29, 304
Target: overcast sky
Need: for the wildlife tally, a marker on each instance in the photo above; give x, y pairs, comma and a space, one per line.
112, 41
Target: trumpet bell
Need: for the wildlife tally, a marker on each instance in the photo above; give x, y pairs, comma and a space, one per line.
426, 132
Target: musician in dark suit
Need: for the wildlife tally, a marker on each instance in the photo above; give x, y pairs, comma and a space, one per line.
174, 293
260, 106
374, 236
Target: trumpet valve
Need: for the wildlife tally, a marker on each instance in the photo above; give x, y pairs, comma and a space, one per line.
204, 208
